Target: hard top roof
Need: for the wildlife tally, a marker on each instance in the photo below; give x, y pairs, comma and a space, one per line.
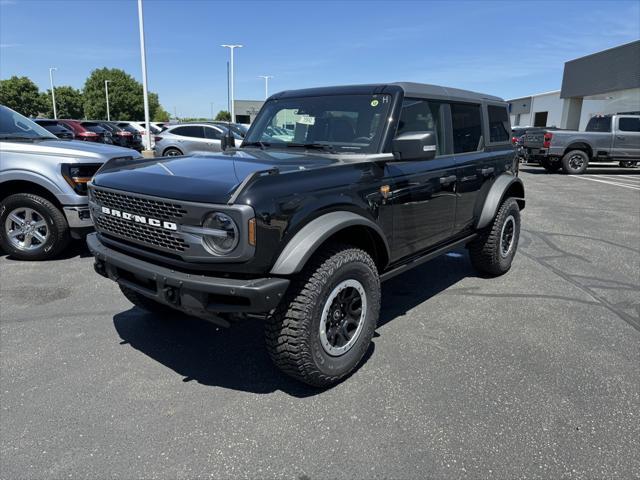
410, 89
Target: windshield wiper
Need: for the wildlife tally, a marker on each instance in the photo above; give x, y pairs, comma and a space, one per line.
258, 144
313, 146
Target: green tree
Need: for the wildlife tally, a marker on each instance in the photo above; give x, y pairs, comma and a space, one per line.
69, 103
23, 96
125, 95
223, 116
156, 112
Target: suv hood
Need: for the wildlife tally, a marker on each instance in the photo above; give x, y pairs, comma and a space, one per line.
201, 178
77, 149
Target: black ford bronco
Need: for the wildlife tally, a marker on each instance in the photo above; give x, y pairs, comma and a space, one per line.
332, 191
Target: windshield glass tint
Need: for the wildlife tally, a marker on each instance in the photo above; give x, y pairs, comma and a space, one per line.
345, 123
12, 124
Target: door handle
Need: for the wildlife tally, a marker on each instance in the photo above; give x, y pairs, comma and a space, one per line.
487, 171
447, 180
620, 137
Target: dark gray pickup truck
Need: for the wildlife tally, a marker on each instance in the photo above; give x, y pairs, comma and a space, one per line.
607, 138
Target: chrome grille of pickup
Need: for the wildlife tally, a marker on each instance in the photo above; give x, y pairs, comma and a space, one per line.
161, 210
145, 234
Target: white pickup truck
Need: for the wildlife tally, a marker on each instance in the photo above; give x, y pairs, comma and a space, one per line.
607, 138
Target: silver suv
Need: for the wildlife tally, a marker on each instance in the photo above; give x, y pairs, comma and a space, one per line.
189, 138
43, 186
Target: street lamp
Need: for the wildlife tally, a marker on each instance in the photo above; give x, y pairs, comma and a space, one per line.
266, 84
231, 106
145, 93
53, 92
106, 92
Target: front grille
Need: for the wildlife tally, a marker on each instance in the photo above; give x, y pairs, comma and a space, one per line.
145, 234
141, 206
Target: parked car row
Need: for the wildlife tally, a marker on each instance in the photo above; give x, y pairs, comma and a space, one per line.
186, 138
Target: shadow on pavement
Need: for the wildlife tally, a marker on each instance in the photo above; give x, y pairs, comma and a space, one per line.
235, 358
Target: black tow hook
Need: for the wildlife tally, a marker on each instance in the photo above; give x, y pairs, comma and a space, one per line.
171, 295
100, 268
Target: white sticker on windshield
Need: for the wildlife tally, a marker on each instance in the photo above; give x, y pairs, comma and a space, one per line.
307, 120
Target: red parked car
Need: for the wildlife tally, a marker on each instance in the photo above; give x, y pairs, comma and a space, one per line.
85, 132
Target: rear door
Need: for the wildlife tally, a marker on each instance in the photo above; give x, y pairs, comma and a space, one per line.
626, 140
423, 194
190, 138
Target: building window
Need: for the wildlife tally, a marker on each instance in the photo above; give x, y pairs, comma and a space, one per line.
540, 119
498, 124
517, 120
467, 127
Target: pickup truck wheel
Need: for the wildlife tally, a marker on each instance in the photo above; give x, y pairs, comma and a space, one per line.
493, 250
145, 303
550, 166
575, 162
323, 327
628, 163
33, 228
172, 152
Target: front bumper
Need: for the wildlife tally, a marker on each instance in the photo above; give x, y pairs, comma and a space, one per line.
194, 294
78, 217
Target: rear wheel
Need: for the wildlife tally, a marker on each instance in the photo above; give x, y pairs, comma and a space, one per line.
493, 250
575, 162
322, 329
33, 228
172, 152
550, 166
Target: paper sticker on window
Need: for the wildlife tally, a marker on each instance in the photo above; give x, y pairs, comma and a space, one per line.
307, 120
374, 103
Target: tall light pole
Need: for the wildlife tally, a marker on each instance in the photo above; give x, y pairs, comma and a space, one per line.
266, 84
53, 92
145, 93
106, 92
231, 49
212, 111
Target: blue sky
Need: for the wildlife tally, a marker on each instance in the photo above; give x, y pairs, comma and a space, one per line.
502, 48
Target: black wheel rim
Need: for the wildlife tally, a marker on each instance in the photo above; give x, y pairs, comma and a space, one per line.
343, 317
507, 236
576, 162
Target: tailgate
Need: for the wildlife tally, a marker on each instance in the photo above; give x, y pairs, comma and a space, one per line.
534, 139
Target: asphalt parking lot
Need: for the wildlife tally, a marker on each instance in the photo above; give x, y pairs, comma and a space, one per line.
531, 375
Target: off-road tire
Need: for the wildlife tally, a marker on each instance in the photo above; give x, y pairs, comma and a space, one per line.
549, 166
146, 303
485, 249
567, 166
58, 229
292, 330
168, 152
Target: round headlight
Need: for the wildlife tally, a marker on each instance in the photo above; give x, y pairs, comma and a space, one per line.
226, 239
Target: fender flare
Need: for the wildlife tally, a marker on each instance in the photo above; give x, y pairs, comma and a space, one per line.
32, 177
305, 242
495, 196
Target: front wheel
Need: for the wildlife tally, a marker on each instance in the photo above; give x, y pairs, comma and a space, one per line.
33, 228
322, 329
575, 162
172, 152
492, 251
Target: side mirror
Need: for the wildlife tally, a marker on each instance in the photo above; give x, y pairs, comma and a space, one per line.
414, 146
227, 140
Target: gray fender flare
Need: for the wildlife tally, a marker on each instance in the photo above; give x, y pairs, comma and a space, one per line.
311, 236
496, 194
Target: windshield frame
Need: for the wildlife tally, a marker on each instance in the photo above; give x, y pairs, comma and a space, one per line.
255, 134
40, 132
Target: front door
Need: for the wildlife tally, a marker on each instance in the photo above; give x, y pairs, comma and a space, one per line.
626, 140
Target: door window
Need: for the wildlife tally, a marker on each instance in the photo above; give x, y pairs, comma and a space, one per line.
498, 124
629, 124
599, 124
212, 133
189, 131
466, 127
422, 116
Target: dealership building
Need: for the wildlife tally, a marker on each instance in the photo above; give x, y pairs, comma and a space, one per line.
246, 110
603, 83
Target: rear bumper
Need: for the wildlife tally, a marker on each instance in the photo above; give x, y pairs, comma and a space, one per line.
192, 293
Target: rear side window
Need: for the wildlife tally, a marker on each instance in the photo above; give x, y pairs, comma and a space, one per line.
498, 124
466, 127
599, 124
212, 133
190, 131
422, 116
629, 124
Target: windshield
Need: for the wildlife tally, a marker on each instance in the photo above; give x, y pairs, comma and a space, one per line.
15, 126
340, 123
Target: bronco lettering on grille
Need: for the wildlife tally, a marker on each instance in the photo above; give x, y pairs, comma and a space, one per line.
154, 222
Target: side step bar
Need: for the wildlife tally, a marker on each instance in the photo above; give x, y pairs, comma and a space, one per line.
414, 262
